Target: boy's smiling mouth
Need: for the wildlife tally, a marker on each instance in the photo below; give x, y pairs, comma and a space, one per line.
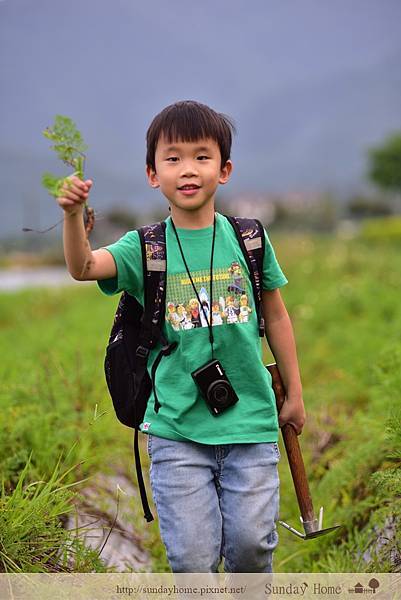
189, 189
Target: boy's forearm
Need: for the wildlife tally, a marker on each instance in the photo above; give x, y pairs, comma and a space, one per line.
77, 250
281, 340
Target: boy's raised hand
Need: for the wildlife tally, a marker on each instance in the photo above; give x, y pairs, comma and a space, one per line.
75, 193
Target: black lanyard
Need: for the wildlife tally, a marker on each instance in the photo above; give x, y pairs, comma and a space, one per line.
208, 321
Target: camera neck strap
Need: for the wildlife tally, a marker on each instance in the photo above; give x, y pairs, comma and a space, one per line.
201, 306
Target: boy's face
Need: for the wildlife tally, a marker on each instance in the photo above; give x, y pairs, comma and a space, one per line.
196, 164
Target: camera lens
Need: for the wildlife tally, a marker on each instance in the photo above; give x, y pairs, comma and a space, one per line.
218, 393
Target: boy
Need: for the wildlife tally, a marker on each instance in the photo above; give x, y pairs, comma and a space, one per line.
214, 478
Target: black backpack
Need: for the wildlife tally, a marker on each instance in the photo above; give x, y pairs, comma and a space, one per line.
136, 329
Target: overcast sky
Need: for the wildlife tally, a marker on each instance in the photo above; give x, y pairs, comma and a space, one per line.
310, 85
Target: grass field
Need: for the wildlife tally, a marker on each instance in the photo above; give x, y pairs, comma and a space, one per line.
57, 426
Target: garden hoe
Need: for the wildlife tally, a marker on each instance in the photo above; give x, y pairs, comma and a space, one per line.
311, 524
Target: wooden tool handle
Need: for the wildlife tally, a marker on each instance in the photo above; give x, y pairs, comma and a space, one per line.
293, 450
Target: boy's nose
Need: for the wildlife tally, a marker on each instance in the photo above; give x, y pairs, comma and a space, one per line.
188, 168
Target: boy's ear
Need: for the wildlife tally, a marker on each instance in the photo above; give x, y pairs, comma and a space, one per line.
152, 177
226, 172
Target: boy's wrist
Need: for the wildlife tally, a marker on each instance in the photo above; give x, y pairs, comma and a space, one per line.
76, 212
294, 394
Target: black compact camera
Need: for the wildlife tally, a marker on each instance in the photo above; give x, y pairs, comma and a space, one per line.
215, 387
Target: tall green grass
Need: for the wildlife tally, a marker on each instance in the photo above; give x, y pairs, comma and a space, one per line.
54, 411
56, 418
343, 297
32, 537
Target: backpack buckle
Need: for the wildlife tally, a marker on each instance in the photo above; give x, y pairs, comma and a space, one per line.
142, 352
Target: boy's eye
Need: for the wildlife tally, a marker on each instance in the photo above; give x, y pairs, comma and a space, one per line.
172, 158
202, 156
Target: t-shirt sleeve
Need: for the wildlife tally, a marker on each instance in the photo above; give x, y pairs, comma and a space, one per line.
127, 255
273, 276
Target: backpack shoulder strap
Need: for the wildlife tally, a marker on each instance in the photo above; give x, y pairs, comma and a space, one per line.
154, 261
250, 236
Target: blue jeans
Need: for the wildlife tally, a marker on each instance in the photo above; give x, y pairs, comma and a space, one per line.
215, 501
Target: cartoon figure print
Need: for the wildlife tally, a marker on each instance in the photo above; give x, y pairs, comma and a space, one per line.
193, 309
231, 311
173, 317
236, 285
204, 308
217, 314
244, 309
185, 322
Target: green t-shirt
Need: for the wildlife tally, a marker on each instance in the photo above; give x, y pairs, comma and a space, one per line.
183, 413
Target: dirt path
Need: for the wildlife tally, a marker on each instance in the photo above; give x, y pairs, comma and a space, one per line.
96, 508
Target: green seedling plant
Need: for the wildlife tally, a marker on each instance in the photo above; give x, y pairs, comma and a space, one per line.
71, 149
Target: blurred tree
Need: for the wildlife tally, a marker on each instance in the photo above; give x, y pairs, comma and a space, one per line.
363, 207
385, 164
121, 216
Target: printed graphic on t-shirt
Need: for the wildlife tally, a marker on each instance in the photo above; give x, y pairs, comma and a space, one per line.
231, 302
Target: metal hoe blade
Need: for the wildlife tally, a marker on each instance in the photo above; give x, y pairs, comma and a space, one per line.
313, 528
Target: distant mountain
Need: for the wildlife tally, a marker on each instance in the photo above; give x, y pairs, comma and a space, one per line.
309, 135
316, 134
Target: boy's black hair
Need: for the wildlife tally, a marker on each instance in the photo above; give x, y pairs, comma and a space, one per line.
190, 121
